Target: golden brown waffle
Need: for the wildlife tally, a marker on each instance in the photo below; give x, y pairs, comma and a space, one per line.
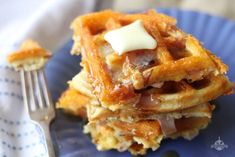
28, 49
73, 102
100, 114
106, 137
171, 96
134, 100
140, 136
178, 56
78, 104
30, 56
183, 94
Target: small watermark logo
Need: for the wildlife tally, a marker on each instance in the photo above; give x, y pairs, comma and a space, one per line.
219, 145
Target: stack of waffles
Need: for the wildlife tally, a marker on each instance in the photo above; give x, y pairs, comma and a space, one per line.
135, 100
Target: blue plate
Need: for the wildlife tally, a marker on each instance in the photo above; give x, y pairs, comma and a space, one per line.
218, 35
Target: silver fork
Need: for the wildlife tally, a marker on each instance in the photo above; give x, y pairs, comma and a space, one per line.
38, 102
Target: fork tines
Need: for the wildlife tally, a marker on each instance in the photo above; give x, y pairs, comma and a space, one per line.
35, 91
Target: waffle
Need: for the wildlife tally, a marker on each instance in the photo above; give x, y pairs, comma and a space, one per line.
138, 133
30, 56
172, 96
73, 102
99, 114
178, 56
118, 127
140, 136
133, 100
180, 95
81, 105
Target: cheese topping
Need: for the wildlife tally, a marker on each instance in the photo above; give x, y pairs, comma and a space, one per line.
130, 37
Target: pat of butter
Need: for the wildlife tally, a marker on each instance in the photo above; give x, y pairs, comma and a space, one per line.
130, 37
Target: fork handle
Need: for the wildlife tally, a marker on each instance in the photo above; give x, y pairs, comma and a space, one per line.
46, 130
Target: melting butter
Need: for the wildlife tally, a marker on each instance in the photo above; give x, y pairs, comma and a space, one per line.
130, 37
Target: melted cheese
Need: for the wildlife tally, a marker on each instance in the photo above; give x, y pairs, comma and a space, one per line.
29, 64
